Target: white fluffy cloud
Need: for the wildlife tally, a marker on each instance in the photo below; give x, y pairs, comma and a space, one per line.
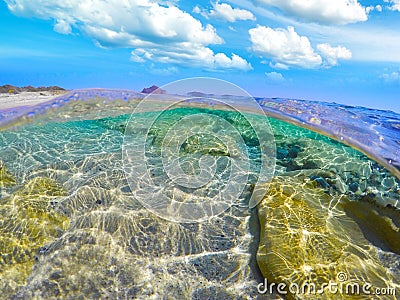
226, 12
370, 8
284, 47
395, 4
195, 57
279, 66
333, 54
275, 77
155, 31
63, 27
323, 11
393, 77
163, 72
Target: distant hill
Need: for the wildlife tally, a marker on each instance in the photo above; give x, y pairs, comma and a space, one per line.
11, 89
153, 89
198, 94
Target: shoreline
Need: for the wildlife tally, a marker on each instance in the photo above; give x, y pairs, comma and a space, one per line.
8, 100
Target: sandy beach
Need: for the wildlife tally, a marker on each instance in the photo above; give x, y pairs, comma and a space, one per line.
8, 100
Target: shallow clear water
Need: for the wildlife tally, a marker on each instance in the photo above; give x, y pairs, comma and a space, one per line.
71, 226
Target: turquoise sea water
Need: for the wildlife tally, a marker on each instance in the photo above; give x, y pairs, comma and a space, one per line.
71, 226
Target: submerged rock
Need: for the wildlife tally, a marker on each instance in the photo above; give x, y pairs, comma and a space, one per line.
199, 144
27, 223
381, 226
6, 178
353, 187
351, 172
309, 238
320, 181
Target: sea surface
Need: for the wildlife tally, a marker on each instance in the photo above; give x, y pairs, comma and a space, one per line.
76, 221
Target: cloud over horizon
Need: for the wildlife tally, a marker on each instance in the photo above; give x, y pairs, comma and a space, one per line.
285, 47
394, 4
156, 32
226, 12
333, 54
321, 11
391, 77
275, 78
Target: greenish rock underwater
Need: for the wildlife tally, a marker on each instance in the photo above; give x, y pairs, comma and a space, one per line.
27, 223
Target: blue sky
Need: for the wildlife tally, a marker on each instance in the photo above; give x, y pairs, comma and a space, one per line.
345, 51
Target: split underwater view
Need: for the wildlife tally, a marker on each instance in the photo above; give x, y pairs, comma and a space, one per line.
73, 227
200, 150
